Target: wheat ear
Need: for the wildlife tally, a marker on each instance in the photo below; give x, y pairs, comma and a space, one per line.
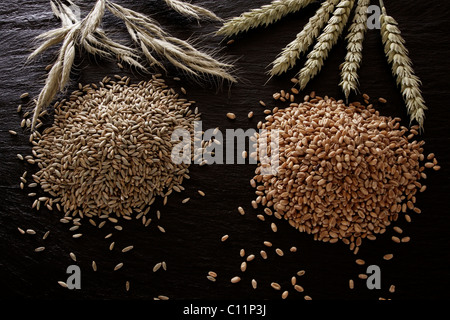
325, 42
152, 39
73, 33
58, 75
353, 58
97, 43
93, 19
293, 51
265, 15
397, 54
191, 10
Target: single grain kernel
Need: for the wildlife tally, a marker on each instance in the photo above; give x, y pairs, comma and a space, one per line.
235, 279
388, 256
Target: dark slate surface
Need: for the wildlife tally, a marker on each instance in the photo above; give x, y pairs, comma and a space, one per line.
191, 246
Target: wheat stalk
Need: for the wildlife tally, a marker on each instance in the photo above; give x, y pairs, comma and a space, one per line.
74, 33
292, 52
353, 58
92, 20
325, 42
51, 38
58, 75
64, 13
97, 43
265, 15
397, 54
191, 10
146, 33
86, 34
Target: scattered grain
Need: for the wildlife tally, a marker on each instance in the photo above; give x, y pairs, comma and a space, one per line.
298, 288
268, 243
157, 266
275, 285
388, 256
294, 280
210, 278
301, 273
126, 249
250, 257
185, 200
405, 239
231, 116
235, 279
273, 226
398, 229
360, 262
212, 274
263, 254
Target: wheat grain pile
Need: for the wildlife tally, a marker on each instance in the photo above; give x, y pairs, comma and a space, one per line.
108, 151
345, 172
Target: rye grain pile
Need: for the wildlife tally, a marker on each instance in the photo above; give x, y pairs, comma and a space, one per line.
345, 172
108, 151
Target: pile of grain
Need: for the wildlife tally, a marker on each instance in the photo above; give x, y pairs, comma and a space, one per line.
345, 172
108, 151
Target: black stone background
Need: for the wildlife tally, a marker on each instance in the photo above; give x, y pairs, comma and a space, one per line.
191, 245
